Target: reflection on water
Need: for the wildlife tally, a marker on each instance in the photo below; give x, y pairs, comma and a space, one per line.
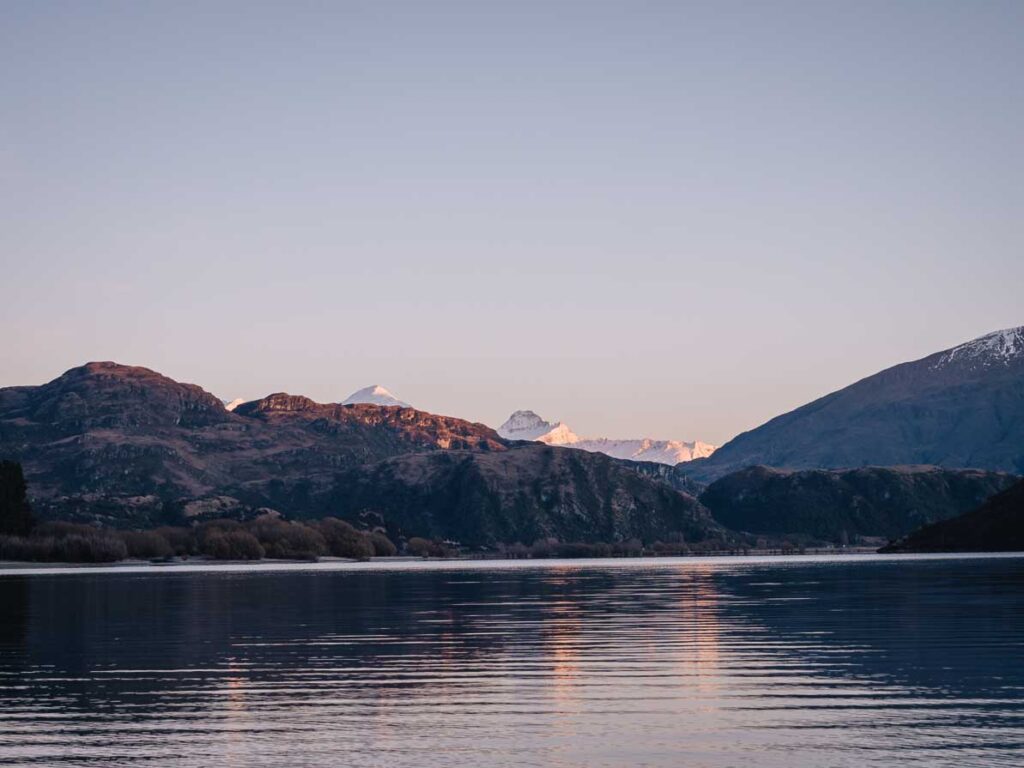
661, 663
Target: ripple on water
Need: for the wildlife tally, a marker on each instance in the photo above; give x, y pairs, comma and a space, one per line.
703, 662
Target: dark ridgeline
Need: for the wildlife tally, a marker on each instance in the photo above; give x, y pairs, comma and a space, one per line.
995, 526
961, 408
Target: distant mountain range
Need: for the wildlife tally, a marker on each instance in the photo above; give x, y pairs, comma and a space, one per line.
127, 446
962, 407
527, 425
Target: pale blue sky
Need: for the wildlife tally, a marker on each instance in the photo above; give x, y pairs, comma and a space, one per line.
668, 219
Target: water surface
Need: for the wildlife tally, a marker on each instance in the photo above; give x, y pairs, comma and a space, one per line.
690, 662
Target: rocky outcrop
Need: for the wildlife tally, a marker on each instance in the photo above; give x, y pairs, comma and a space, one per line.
844, 506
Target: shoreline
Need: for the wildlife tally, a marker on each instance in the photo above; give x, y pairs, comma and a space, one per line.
384, 564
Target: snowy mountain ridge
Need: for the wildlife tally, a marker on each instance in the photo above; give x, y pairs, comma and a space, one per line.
527, 425
997, 348
374, 395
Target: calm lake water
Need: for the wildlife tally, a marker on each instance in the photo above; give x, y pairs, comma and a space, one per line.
854, 661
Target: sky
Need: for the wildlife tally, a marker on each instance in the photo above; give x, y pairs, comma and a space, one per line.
666, 219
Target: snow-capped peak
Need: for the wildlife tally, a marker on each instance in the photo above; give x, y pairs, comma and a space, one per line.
374, 395
527, 425
997, 348
234, 403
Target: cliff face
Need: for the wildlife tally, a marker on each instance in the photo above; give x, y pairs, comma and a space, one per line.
995, 526
840, 506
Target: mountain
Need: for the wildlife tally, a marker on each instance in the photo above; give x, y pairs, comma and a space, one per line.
962, 407
844, 506
374, 395
129, 447
232, 404
995, 526
527, 425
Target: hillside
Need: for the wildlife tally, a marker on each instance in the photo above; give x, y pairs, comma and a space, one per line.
995, 526
843, 506
963, 407
523, 494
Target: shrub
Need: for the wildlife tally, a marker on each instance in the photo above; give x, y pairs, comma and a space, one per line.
288, 541
231, 544
342, 540
382, 545
515, 551
582, 549
90, 547
543, 548
421, 547
147, 545
94, 547
182, 540
22, 548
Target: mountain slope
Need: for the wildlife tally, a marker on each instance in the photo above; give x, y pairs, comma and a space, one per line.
963, 407
995, 526
527, 425
842, 506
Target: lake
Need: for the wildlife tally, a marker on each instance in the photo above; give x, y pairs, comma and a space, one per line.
808, 661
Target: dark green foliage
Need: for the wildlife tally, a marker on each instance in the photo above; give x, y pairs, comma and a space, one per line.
995, 526
287, 541
230, 544
15, 513
343, 540
147, 545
